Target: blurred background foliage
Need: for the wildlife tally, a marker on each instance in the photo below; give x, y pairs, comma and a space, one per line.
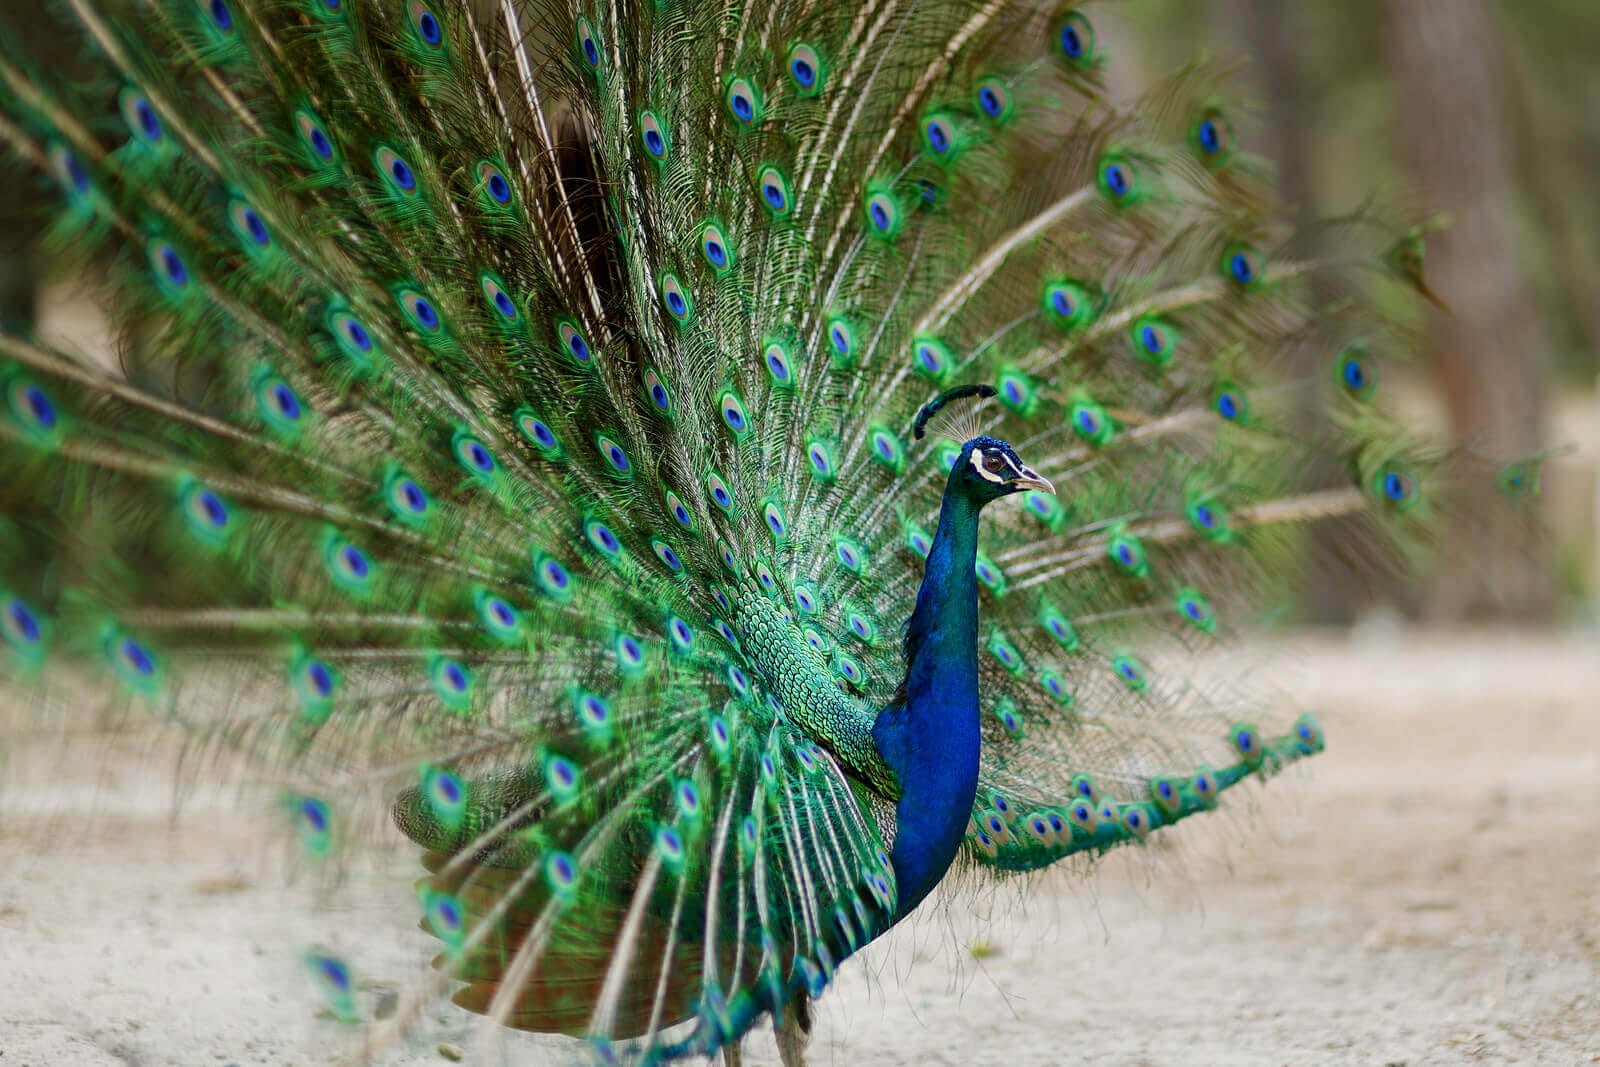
1481, 114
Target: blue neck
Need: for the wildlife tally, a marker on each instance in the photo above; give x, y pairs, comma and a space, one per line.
931, 741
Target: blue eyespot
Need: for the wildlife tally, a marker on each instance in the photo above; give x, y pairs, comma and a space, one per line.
682, 636
335, 973
247, 223
408, 498
221, 17
69, 169
428, 26
279, 405
884, 214
353, 337
473, 455
207, 508
933, 359
315, 137
778, 363
553, 576
573, 341
287, 403
676, 299
821, 461
1075, 38
1228, 405
940, 135
141, 117
887, 449
318, 677
840, 337
135, 657
654, 135
587, 45
20, 625
499, 189
744, 102
775, 521
420, 310
720, 494
1154, 340
355, 562
733, 413
536, 430
396, 171
601, 537
629, 651
666, 555
1213, 136
32, 406
774, 190
994, 98
1354, 376
453, 683
1243, 265
169, 265
499, 613
1131, 671
1117, 179
615, 456
1396, 486
494, 292
805, 69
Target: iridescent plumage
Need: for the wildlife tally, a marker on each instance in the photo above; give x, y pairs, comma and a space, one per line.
527, 427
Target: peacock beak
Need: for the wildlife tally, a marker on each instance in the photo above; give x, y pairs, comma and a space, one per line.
1032, 479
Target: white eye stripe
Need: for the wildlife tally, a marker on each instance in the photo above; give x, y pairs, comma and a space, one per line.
977, 458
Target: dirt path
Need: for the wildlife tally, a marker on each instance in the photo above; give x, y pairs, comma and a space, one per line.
1427, 892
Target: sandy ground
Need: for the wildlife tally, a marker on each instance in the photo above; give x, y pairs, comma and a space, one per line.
1427, 892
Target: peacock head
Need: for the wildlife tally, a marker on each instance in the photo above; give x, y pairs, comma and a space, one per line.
989, 468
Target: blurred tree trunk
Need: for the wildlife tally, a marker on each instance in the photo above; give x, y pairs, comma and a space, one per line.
1272, 35
1487, 350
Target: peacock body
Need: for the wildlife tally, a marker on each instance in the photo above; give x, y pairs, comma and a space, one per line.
571, 424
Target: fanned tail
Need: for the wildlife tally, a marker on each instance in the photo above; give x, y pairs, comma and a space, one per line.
527, 424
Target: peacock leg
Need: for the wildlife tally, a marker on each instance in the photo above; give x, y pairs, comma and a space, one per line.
794, 1031
731, 1054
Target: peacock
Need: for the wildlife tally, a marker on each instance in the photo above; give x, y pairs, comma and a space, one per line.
711, 473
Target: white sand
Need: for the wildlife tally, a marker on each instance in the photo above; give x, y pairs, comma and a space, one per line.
1427, 892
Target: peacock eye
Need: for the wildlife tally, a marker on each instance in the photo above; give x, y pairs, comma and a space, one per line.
993, 463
